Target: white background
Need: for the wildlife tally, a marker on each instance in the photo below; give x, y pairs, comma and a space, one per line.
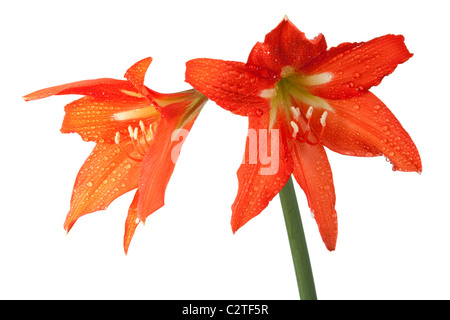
394, 234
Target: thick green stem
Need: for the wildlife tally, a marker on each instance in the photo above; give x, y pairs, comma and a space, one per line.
297, 242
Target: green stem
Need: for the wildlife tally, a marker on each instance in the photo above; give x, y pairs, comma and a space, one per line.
297, 242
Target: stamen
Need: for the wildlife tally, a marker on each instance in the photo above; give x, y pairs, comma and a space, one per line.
149, 133
141, 124
323, 118
309, 112
130, 131
295, 128
296, 113
139, 137
117, 141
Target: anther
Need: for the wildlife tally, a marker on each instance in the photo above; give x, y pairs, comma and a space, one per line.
323, 118
309, 112
296, 113
141, 124
295, 128
130, 131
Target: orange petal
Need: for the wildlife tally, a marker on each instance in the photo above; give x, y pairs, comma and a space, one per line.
313, 173
356, 67
136, 74
161, 157
131, 222
94, 119
100, 88
284, 46
364, 126
266, 168
105, 175
230, 84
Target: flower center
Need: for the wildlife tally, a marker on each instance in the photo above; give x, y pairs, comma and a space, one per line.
139, 137
291, 99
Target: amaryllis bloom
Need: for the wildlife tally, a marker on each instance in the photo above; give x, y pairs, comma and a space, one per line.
138, 134
304, 97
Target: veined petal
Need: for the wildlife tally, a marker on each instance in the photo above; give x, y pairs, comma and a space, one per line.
131, 222
99, 119
364, 126
105, 175
313, 173
162, 155
284, 46
265, 170
230, 84
355, 67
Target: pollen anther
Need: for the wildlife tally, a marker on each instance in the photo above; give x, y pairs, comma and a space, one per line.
323, 119
296, 113
295, 128
309, 112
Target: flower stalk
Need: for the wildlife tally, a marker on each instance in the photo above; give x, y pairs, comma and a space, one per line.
297, 242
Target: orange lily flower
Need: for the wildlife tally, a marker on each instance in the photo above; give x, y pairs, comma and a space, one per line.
304, 97
138, 133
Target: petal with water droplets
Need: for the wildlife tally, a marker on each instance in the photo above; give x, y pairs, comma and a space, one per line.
313, 173
364, 126
105, 175
230, 84
356, 67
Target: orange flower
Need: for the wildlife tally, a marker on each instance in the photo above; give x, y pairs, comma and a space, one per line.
138, 133
302, 96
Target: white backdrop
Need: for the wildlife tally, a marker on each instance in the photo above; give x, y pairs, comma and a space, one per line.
393, 227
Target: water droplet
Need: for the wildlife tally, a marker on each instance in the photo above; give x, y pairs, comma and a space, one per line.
356, 75
89, 184
356, 107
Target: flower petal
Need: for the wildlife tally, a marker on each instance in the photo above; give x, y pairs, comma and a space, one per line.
230, 84
284, 46
264, 171
357, 66
364, 126
105, 175
131, 222
95, 119
136, 74
159, 161
313, 173
99, 88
